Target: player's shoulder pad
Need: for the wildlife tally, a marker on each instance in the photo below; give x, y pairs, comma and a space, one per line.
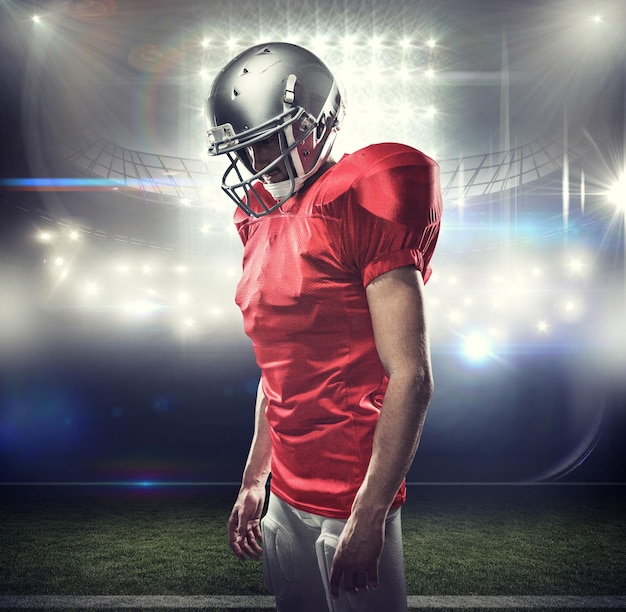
391, 181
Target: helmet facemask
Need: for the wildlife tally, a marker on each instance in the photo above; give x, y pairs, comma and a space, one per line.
237, 182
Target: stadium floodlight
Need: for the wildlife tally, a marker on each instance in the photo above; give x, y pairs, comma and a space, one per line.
572, 309
542, 327
575, 265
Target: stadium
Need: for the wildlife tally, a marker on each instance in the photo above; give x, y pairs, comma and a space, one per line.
127, 384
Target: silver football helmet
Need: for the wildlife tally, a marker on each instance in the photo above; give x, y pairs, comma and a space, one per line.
272, 90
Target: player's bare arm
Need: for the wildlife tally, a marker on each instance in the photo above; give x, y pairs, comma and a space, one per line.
244, 524
396, 307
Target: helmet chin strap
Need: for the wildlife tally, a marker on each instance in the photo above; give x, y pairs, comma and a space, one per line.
281, 189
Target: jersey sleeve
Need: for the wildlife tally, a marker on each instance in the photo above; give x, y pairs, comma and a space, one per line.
394, 214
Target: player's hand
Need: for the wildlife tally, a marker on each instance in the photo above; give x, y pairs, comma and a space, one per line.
357, 557
244, 523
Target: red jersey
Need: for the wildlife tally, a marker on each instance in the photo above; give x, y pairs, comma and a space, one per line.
302, 295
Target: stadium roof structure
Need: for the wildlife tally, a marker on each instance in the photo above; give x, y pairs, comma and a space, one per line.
164, 177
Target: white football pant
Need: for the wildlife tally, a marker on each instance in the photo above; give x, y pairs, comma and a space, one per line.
298, 549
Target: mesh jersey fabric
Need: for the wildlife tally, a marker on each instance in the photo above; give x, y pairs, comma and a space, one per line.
302, 296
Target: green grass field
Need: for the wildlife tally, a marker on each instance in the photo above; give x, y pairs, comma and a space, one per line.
459, 540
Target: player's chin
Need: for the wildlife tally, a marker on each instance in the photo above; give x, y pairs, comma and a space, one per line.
275, 176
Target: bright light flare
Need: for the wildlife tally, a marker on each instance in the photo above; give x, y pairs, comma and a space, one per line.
576, 265
44, 237
617, 193
141, 308
476, 347
542, 327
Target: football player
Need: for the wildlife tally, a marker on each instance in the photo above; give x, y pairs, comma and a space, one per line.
336, 254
